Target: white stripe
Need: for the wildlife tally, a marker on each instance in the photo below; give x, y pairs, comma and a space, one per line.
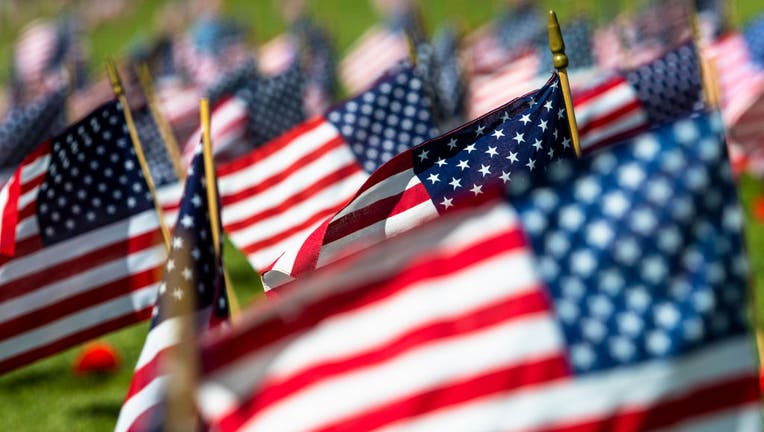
148, 397
5, 193
597, 135
60, 289
427, 366
388, 187
69, 250
35, 168
277, 162
70, 324
592, 396
745, 418
28, 197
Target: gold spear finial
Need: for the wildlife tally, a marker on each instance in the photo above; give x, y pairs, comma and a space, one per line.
560, 60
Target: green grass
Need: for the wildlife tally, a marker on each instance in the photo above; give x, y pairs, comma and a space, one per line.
47, 396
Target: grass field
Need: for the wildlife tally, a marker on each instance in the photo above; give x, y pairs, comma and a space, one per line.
47, 396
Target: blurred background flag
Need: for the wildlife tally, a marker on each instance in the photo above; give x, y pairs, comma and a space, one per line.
80, 241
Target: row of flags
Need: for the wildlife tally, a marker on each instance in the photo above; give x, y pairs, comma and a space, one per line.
479, 279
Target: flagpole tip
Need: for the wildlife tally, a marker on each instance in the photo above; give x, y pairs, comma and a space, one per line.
113, 73
556, 44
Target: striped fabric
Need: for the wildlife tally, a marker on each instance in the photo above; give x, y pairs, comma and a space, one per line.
80, 247
488, 91
371, 55
228, 122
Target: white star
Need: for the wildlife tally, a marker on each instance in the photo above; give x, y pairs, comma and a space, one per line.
513, 157
554, 85
452, 144
519, 137
531, 164
187, 221
170, 264
543, 125
498, 133
491, 151
505, 116
447, 202
470, 148
479, 130
505, 177
177, 293
477, 189
423, 155
554, 134
196, 201
433, 178
560, 113
548, 105
533, 101
565, 142
537, 144
186, 273
441, 162
463, 164
177, 242
196, 253
526, 118
550, 153
455, 182
484, 169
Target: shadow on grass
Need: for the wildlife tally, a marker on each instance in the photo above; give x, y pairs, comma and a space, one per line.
30, 377
108, 409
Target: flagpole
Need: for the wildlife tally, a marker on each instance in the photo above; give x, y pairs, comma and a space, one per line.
560, 59
116, 84
707, 69
212, 199
168, 138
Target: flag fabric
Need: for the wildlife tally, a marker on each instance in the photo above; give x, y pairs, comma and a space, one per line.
621, 105
277, 193
421, 183
263, 108
80, 245
376, 51
154, 149
24, 128
753, 33
551, 310
488, 91
192, 269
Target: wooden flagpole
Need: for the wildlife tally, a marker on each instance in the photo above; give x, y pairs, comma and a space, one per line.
168, 138
707, 69
116, 84
560, 59
212, 199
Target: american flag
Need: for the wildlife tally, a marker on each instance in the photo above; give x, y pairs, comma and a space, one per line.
376, 51
279, 192
24, 128
275, 56
556, 314
754, 38
154, 149
741, 88
180, 106
260, 110
192, 269
621, 105
81, 250
488, 91
421, 183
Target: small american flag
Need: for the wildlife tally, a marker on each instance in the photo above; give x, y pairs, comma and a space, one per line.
192, 269
552, 310
376, 51
754, 38
154, 149
421, 183
80, 246
279, 192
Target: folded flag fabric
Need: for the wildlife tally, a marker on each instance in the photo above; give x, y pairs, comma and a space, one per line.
192, 269
276, 194
422, 183
550, 309
80, 247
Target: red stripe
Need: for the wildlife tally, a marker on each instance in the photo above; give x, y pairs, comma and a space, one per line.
286, 233
456, 393
82, 301
585, 95
284, 175
9, 218
81, 263
273, 146
74, 339
27, 246
668, 412
512, 307
32, 183
609, 117
606, 141
438, 263
147, 373
376, 212
307, 256
316, 187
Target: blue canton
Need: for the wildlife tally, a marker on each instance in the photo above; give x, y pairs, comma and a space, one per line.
671, 86
754, 38
640, 246
192, 268
389, 118
525, 135
160, 165
93, 177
